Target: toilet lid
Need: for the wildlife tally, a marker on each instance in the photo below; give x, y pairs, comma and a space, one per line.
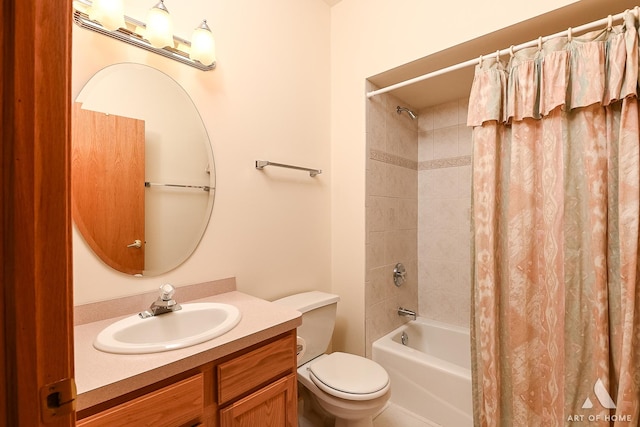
349, 376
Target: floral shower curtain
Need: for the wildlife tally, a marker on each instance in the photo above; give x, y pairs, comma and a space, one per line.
556, 211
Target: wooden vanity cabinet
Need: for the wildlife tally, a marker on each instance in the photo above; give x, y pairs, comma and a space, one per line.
258, 388
253, 387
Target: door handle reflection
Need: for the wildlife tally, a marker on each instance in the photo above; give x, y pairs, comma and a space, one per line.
136, 244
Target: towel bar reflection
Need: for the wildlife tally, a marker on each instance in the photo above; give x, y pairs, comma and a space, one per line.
197, 187
260, 164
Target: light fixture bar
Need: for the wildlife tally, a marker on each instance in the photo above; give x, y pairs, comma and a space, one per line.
125, 35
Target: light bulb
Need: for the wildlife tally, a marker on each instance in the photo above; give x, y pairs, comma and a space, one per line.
203, 46
159, 27
109, 13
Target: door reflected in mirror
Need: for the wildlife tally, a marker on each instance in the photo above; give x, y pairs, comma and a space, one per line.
143, 177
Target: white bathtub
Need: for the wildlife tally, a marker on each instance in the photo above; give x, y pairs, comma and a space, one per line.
431, 375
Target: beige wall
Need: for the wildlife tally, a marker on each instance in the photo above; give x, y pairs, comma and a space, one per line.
367, 38
267, 99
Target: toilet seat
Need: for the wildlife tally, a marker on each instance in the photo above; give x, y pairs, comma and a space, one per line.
348, 376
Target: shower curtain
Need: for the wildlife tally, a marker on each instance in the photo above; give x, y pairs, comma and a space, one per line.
556, 210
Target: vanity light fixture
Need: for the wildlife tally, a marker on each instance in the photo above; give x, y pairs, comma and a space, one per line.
110, 13
203, 46
145, 36
159, 27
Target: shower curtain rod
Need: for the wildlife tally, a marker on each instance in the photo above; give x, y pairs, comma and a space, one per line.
595, 24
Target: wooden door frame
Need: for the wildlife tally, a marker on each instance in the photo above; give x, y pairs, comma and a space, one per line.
36, 328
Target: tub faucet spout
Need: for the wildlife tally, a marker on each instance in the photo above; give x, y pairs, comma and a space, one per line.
406, 312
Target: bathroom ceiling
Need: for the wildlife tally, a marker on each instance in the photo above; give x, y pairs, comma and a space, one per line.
457, 84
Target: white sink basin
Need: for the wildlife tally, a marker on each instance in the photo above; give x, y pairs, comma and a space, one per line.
194, 324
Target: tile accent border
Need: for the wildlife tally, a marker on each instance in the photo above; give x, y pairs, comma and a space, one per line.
445, 163
392, 159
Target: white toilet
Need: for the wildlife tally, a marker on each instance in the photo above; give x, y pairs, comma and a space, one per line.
349, 387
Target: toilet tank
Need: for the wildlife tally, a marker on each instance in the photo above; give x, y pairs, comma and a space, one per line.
318, 319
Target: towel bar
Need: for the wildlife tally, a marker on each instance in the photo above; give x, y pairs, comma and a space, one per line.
198, 187
260, 164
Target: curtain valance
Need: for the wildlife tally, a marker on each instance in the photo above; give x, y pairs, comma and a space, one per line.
598, 67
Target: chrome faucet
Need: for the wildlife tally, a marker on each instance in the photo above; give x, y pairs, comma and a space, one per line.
164, 304
407, 312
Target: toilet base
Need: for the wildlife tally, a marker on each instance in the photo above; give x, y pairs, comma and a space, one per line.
310, 414
313, 414
361, 417
347, 413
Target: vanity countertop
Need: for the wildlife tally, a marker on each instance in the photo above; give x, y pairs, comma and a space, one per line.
102, 376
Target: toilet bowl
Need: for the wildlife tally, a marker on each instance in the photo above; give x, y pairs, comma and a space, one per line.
351, 388
353, 399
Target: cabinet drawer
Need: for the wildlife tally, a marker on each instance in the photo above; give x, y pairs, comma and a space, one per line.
173, 405
246, 372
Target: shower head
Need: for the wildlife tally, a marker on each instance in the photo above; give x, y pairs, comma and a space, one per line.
411, 114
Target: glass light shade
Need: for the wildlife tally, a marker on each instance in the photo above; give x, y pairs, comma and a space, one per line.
203, 46
159, 27
109, 13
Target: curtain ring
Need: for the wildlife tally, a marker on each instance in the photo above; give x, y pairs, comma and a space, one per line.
569, 34
511, 52
480, 61
540, 43
498, 55
609, 23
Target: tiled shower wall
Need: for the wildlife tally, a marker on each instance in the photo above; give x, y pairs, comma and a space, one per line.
444, 202
418, 213
391, 215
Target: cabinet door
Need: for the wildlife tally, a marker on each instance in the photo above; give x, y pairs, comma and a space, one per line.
272, 406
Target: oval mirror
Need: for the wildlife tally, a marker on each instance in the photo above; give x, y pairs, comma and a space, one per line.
143, 178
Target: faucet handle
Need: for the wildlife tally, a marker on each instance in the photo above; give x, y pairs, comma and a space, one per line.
166, 292
399, 274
